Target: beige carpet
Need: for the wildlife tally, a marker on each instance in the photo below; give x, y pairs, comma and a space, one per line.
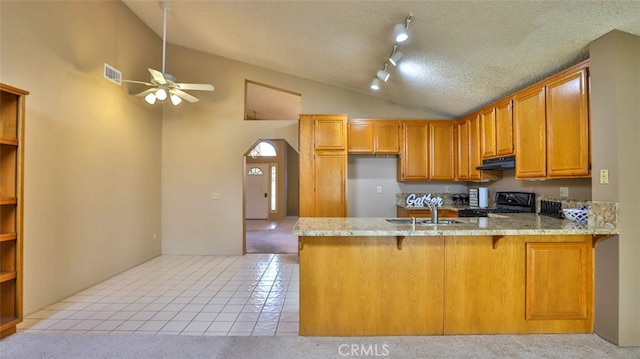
34, 346
271, 236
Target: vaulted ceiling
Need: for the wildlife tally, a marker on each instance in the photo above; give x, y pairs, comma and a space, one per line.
460, 56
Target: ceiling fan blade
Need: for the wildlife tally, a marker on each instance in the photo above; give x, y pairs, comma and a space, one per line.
184, 95
158, 76
146, 92
138, 82
198, 87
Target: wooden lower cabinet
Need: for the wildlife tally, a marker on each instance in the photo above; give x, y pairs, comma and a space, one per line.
525, 285
361, 286
366, 286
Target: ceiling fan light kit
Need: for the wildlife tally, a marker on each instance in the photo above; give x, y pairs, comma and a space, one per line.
400, 34
164, 85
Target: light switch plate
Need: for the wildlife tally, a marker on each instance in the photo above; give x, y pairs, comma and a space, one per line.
215, 195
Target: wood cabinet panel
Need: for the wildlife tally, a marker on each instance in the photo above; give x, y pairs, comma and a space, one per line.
504, 128
330, 132
463, 150
386, 137
488, 133
360, 137
366, 286
558, 281
414, 159
530, 129
475, 154
442, 141
323, 173
330, 176
568, 153
485, 291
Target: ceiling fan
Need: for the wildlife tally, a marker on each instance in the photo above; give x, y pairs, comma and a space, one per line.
164, 85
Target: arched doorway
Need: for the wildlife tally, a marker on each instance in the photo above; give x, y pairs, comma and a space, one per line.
270, 197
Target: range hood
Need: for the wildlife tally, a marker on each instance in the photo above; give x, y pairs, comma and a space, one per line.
498, 164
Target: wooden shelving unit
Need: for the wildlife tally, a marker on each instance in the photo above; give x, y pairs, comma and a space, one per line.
12, 107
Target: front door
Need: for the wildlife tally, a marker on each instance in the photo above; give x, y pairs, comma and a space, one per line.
257, 191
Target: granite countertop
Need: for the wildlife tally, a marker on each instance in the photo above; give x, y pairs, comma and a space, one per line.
496, 224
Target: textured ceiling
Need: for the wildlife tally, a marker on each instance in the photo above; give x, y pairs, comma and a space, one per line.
461, 55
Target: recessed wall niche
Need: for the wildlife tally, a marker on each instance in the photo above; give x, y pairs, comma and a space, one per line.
266, 102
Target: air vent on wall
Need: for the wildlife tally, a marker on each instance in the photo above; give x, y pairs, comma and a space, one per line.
113, 75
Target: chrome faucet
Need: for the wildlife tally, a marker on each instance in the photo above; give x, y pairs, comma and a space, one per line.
434, 212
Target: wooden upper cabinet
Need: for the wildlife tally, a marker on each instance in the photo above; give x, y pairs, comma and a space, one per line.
475, 156
442, 141
530, 138
568, 152
373, 136
463, 150
504, 128
413, 164
386, 137
330, 132
323, 172
330, 178
360, 137
488, 132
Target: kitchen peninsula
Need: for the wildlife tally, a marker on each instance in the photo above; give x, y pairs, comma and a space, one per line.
520, 273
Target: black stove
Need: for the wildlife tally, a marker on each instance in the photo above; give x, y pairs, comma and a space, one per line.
506, 202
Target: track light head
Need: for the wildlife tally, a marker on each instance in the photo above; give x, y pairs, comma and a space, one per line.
395, 58
383, 75
375, 84
400, 33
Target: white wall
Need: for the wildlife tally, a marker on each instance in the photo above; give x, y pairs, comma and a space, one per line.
92, 154
366, 173
203, 145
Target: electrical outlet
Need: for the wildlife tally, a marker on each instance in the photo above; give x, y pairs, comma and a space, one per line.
155, 236
447, 189
215, 195
379, 189
604, 176
564, 191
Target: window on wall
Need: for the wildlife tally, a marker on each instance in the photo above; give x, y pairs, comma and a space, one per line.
274, 187
263, 149
255, 171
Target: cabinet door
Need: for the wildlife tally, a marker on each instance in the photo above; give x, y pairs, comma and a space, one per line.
530, 142
330, 132
463, 150
360, 137
504, 128
442, 150
414, 159
475, 156
568, 126
386, 137
330, 178
488, 133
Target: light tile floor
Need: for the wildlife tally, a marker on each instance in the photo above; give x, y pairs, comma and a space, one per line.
251, 295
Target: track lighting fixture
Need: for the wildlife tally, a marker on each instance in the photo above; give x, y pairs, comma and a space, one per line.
396, 55
383, 75
395, 58
400, 34
375, 84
